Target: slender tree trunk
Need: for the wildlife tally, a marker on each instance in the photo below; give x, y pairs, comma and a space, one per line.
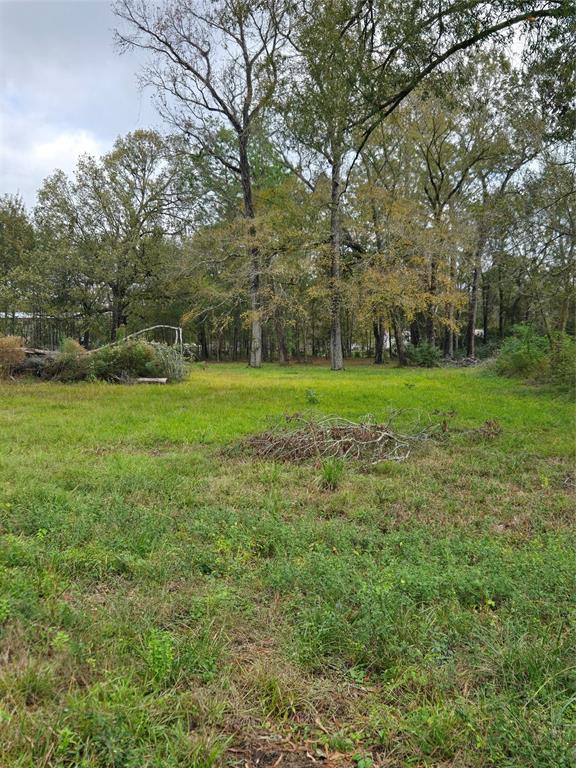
564, 312
204, 341
283, 355
117, 312
430, 327
485, 308
472, 311
378, 325
255, 360
235, 337
336, 354
475, 287
449, 338
378, 328
398, 335
430, 324
500, 305
256, 325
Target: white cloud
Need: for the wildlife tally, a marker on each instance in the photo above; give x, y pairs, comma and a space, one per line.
63, 89
31, 149
62, 150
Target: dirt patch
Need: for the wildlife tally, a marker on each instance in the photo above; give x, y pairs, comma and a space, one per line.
287, 757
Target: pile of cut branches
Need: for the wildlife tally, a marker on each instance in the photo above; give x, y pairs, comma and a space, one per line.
301, 438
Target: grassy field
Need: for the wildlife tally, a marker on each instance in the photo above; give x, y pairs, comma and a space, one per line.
165, 602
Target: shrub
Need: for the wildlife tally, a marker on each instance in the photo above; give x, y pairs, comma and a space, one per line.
127, 360
424, 355
523, 353
537, 358
488, 350
118, 362
134, 359
72, 364
562, 363
168, 362
11, 354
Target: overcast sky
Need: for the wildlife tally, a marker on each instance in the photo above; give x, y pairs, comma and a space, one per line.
64, 90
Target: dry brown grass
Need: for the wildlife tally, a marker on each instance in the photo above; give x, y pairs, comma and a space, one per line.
11, 354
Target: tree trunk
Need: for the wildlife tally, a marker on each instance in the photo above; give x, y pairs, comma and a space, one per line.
449, 338
336, 354
399, 341
500, 305
472, 311
255, 360
117, 312
485, 308
204, 341
378, 328
283, 355
430, 327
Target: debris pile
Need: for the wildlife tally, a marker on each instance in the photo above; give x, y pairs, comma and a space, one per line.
300, 438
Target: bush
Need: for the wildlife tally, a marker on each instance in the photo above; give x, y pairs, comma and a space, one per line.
127, 360
424, 355
562, 363
168, 362
531, 356
523, 354
484, 351
119, 362
11, 354
72, 364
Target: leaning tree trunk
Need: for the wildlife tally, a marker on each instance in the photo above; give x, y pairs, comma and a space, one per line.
256, 324
336, 355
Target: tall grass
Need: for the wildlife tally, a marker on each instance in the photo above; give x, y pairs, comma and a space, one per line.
164, 601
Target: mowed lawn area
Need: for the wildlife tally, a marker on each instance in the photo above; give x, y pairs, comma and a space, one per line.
166, 602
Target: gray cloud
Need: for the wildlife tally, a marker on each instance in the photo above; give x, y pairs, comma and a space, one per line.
64, 90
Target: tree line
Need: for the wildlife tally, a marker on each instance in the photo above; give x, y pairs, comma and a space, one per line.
335, 178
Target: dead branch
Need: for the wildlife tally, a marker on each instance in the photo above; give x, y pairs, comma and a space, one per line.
301, 438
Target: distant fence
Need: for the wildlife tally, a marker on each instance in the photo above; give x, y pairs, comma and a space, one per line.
37, 330
48, 332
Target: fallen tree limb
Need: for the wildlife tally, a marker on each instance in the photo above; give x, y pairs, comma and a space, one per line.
299, 438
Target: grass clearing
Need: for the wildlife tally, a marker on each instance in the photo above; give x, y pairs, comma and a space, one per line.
164, 603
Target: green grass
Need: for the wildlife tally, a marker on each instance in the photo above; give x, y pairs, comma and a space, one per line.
165, 602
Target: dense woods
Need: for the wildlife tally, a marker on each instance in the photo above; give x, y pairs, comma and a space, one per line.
335, 179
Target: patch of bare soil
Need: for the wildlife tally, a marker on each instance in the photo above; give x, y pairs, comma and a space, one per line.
284, 756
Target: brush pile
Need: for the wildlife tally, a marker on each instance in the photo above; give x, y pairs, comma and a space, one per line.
300, 438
